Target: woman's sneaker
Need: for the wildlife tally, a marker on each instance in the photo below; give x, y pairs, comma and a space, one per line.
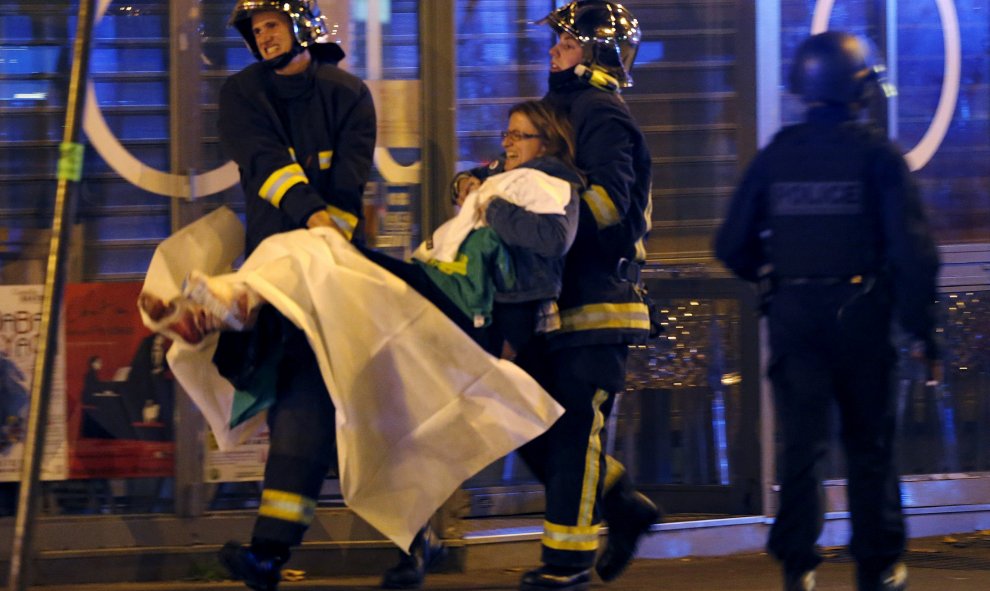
799, 580
892, 578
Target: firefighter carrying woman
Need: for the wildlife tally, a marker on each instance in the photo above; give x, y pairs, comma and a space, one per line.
540, 266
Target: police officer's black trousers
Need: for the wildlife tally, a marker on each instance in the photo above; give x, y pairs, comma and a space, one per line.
831, 344
300, 421
569, 459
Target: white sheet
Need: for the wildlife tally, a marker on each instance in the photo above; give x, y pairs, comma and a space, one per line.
420, 406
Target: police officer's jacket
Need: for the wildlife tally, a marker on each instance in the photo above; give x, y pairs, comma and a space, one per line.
302, 143
831, 199
598, 303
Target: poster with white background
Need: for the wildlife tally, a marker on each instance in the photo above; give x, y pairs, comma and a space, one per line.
244, 462
20, 326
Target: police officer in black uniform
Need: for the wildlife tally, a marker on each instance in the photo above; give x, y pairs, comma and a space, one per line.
829, 218
302, 132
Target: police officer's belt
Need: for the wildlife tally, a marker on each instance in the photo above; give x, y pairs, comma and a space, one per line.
844, 280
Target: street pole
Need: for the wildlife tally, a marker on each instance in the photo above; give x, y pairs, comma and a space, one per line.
185, 154
438, 71
69, 175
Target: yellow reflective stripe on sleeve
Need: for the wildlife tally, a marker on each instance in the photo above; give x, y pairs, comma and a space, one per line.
613, 471
286, 506
648, 212
326, 157
583, 538
280, 181
292, 153
640, 250
592, 462
602, 206
634, 315
345, 220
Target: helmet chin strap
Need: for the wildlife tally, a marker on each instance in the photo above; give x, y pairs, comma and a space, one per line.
277, 63
597, 76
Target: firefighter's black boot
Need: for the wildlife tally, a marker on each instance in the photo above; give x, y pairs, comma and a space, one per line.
556, 578
628, 518
259, 571
426, 553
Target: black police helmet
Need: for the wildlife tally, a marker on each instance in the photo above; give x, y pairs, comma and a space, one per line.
834, 67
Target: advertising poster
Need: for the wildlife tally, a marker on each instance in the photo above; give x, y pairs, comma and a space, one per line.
119, 392
246, 462
20, 325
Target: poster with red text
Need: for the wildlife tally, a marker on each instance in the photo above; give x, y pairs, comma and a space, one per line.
119, 392
20, 327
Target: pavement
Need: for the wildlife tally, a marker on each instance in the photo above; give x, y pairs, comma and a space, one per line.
956, 563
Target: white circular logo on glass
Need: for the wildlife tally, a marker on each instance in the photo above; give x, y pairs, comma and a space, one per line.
922, 153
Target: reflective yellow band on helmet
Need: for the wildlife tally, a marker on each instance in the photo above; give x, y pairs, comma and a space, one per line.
325, 157
592, 462
570, 537
634, 315
345, 220
280, 181
613, 471
602, 206
286, 506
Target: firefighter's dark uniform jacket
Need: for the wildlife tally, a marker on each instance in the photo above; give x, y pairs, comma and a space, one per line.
302, 143
832, 198
598, 303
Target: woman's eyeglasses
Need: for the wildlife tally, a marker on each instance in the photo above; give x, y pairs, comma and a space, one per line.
518, 136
